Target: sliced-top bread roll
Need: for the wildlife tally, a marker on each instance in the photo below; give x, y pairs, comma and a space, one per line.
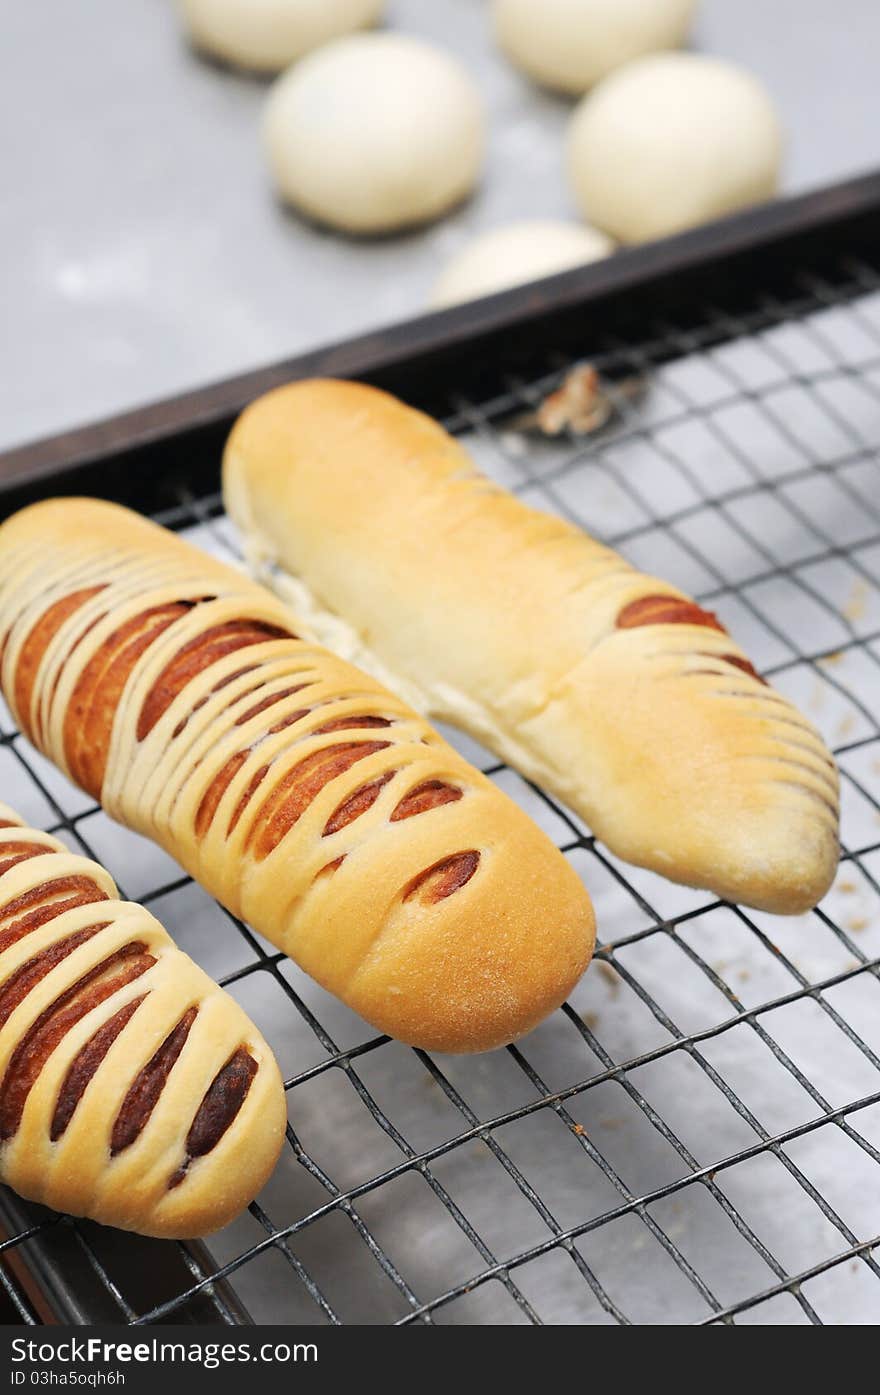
611, 688
133, 1090
300, 792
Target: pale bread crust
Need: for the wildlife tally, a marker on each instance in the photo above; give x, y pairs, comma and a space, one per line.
502, 620
77, 1173
465, 973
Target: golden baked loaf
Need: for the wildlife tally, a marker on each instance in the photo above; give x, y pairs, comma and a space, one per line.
610, 688
306, 797
133, 1090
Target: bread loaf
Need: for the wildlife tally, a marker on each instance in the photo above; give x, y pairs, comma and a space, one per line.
299, 791
133, 1090
610, 688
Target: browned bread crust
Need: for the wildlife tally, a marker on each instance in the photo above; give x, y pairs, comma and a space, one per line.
300, 792
133, 1090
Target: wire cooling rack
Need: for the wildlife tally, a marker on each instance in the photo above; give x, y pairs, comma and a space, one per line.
695, 1136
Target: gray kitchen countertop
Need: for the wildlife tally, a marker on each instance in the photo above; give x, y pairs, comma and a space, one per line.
143, 251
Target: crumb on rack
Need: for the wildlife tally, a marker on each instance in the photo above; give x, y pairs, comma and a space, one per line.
514, 445
583, 404
856, 923
578, 405
858, 600
609, 973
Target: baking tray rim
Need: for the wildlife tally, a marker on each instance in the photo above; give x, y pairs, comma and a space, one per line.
411, 345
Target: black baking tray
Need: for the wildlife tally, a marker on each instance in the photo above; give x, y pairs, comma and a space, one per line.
139, 456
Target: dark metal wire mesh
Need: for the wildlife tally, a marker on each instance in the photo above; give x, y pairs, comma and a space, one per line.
695, 1137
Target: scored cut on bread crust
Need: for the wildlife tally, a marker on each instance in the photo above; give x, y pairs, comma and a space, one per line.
301, 793
133, 1090
610, 688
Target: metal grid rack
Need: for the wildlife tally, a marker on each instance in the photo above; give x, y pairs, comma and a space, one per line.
695, 1137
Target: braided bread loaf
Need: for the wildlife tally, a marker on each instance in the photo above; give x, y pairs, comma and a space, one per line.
610, 688
301, 793
133, 1090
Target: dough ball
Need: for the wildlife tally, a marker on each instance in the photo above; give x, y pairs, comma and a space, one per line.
375, 132
672, 141
268, 35
571, 44
514, 254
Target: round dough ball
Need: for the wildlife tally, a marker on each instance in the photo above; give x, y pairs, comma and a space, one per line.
672, 141
375, 132
571, 44
514, 254
268, 35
